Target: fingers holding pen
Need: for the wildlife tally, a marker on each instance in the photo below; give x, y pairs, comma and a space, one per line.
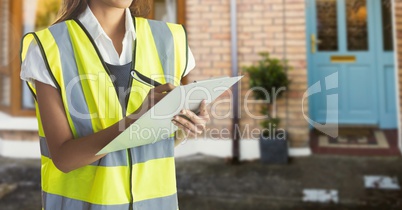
163, 88
158, 93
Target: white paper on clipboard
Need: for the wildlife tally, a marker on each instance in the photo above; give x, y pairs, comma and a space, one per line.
156, 125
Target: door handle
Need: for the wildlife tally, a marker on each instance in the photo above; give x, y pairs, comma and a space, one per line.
314, 42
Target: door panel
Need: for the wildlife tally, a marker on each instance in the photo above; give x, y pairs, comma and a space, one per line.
320, 99
359, 94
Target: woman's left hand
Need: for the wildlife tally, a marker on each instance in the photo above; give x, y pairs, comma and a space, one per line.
190, 124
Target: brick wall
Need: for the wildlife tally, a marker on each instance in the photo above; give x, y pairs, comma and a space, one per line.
17, 135
260, 28
4, 54
398, 21
208, 26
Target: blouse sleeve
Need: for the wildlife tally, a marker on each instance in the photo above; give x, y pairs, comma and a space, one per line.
33, 68
190, 62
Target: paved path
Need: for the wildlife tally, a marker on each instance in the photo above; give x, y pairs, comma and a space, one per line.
209, 183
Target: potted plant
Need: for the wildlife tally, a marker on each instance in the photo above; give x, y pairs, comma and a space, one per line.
268, 80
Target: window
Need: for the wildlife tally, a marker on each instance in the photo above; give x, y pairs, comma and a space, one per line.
387, 25
18, 17
327, 25
5, 91
168, 10
10, 35
357, 28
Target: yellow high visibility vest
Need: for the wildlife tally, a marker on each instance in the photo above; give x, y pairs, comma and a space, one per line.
137, 178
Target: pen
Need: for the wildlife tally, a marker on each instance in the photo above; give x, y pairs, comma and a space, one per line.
150, 82
144, 79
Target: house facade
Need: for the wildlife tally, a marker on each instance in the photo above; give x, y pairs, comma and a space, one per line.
343, 59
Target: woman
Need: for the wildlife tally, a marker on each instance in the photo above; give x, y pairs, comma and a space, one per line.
79, 73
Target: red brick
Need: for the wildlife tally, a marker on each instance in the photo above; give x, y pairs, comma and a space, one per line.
260, 28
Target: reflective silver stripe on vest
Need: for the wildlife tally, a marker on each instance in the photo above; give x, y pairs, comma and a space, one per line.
160, 149
57, 202
44, 150
163, 203
79, 111
118, 158
165, 46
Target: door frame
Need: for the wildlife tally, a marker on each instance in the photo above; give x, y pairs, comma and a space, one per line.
396, 76
308, 4
381, 63
309, 24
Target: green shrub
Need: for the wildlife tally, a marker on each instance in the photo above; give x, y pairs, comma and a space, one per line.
266, 78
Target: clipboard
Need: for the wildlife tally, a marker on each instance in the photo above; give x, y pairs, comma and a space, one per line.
156, 125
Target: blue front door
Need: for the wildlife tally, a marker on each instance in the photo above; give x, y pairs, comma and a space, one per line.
350, 46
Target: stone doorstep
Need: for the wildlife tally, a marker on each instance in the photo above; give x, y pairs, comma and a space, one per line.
6, 189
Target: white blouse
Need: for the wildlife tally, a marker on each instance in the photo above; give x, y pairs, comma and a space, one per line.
33, 68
